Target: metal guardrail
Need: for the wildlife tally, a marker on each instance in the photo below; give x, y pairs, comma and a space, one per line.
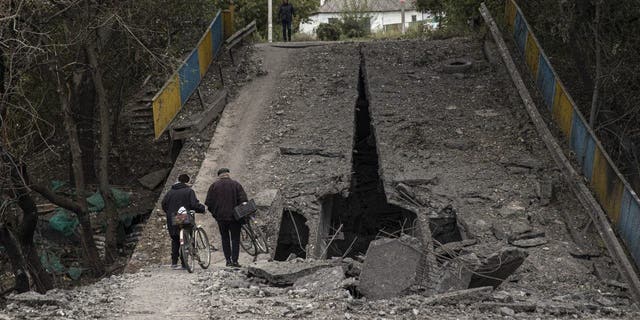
239, 36
184, 82
206, 116
617, 204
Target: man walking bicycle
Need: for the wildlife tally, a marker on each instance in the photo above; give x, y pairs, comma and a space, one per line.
223, 196
180, 195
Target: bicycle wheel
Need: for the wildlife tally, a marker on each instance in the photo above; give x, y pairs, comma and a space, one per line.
203, 250
246, 240
186, 251
259, 238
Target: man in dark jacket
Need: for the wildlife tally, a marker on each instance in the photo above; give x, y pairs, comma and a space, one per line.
180, 195
223, 196
286, 13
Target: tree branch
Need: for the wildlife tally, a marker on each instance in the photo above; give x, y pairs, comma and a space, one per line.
56, 199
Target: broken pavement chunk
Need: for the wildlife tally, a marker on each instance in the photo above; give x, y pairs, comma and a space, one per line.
391, 267
154, 179
498, 267
322, 281
457, 273
511, 230
529, 243
285, 273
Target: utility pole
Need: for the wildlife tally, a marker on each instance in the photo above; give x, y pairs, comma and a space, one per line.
402, 13
270, 21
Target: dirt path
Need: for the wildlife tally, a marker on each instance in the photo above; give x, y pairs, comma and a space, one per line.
159, 295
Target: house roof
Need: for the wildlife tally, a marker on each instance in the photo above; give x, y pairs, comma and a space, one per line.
337, 6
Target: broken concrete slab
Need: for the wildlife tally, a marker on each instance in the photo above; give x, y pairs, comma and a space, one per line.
579, 251
513, 209
265, 198
529, 243
391, 267
498, 267
506, 231
322, 281
528, 235
457, 273
285, 273
154, 179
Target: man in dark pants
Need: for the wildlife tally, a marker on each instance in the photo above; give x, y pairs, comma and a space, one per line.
223, 196
180, 195
286, 13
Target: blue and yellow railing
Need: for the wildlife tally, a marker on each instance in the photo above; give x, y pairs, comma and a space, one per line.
611, 189
184, 82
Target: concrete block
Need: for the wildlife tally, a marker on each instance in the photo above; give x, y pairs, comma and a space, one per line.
154, 179
285, 273
322, 281
457, 273
498, 267
391, 267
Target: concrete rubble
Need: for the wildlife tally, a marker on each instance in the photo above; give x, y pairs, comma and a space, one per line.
154, 179
323, 281
496, 268
285, 273
391, 267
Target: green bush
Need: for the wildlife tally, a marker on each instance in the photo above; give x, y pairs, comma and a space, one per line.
328, 32
354, 27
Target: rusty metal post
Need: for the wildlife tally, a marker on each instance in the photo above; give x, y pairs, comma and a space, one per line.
227, 21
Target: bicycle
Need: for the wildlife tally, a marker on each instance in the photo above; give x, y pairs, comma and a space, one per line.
252, 240
191, 250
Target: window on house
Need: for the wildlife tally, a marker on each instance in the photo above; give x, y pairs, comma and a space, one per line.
414, 18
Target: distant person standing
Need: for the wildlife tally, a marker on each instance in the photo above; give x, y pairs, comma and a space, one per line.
223, 196
286, 13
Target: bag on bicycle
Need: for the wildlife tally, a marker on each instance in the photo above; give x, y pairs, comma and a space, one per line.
244, 209
183, 218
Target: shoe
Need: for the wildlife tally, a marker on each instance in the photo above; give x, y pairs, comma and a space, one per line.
236, 265
229, 264
175, 267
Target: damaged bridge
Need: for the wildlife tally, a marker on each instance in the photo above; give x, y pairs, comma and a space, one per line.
398, 169
395, 179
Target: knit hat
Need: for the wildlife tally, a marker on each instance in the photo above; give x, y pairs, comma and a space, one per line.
223, 170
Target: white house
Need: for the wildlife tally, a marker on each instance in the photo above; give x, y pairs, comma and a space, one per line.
384, 14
